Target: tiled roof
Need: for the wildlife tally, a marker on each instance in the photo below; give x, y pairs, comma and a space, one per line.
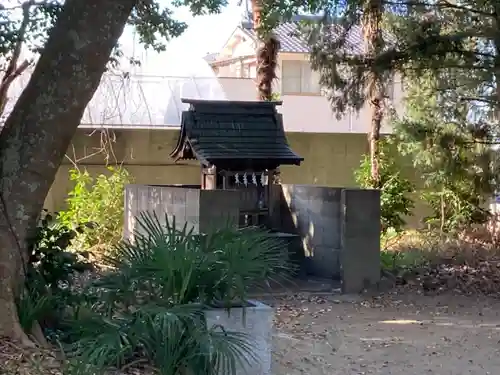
292, 42
234, 135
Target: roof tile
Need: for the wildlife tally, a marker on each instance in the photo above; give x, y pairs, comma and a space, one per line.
234, 132
292, 42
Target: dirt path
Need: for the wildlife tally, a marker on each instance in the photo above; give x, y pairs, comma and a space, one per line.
410, 335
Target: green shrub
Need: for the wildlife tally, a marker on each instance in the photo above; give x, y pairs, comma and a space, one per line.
408, 251
51, 262
174, 340
150, 305
455, 208
213, 268
275, 96
395, 202
397, 262
49, 274
99, 202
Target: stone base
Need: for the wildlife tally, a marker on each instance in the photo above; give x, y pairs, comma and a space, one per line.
257, 323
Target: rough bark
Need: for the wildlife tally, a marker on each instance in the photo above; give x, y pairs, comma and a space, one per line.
267, 56
374, 138
39, 130
13, 68
256, 13
371, 21
256, 10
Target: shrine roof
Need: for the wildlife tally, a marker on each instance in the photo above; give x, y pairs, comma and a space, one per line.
234, 134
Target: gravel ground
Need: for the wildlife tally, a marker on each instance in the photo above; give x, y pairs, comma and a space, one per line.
409, 334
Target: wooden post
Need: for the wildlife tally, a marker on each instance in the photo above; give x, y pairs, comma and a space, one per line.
272, 205
209, 178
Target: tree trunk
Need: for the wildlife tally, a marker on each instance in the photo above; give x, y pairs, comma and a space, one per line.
374, 138
256, 9
39, 130
267, 56
371, 20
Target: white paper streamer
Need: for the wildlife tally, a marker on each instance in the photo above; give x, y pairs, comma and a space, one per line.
264, 179
254, 179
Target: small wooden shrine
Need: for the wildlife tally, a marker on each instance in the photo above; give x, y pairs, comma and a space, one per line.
240, 145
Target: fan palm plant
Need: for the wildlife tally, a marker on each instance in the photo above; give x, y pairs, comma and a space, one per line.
175, 340
172, 266
151, 304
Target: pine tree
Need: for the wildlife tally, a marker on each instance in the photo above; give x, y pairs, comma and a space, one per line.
448, 55
348, 73
451, 153
449, 51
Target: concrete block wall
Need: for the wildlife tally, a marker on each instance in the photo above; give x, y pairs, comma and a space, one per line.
166, 202
218, 208
189, 205
314, 213
256, 323
339, 231
360, 247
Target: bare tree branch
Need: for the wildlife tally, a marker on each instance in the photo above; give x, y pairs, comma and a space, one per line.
13, 69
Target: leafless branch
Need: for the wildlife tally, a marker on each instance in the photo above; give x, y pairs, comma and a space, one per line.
106, 149
13, 69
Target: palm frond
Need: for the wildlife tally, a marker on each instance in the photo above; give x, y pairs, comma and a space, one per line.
102, 341
180, 267
230, 350
153, 300
31, 308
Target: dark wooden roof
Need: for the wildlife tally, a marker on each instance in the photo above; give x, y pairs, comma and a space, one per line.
234, 135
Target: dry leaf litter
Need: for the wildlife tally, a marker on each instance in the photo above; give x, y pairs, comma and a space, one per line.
308, 325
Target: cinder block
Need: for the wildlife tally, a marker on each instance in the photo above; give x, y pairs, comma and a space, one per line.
178, 210
218, 208
193, 197
360, 239
326, 262
166, 197
192, 204
178, 196
256, 322
314, 213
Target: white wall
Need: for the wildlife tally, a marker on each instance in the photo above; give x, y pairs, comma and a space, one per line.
309, 113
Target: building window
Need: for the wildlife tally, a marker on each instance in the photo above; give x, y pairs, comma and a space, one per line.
247, 73
297, 77
252, 71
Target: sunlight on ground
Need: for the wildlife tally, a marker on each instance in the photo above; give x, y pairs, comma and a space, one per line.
460, 324
400, 321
